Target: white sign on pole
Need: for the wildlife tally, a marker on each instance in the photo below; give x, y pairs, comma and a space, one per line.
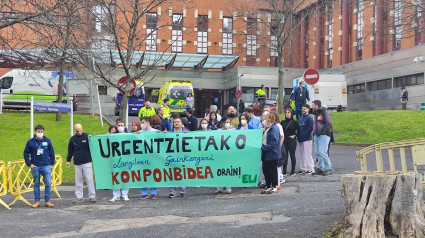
32, 118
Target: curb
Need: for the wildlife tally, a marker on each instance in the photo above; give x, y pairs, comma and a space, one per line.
351, 144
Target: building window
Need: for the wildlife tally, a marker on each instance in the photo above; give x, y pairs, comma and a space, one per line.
177, 33
379, 85
398, 28
251, 41
202, 34
227, 36
356, 88
273, 44
330, 35
151, 31
409, 80
360, 8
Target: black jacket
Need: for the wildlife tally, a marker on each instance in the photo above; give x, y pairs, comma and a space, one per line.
192, 123
290, 128
323, 123
78, 147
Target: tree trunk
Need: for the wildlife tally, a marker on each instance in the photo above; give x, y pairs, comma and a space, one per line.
383, 205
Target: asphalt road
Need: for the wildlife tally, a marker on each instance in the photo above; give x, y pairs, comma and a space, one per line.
307, 206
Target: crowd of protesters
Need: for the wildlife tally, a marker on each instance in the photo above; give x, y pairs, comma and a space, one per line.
279, 142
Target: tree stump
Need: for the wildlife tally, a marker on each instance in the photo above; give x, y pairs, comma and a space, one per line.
383, 205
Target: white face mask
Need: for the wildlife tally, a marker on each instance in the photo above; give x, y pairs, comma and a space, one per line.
243, 122
264, 122
227, 125
265, 113
204, 126
39, 135
121, 129
143, 126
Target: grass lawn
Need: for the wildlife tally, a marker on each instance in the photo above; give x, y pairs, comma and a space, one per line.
373, 127
15, 132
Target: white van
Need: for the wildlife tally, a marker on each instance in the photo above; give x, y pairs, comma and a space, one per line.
331, 90
18, 86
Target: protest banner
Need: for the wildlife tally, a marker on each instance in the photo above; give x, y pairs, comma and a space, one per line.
199, 158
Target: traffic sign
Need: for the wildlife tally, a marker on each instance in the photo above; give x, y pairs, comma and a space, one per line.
122, 82
311, 76
238, 93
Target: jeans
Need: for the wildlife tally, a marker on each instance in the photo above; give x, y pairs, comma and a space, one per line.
117, 192
173, 190
144, 191
321, 147
46, 172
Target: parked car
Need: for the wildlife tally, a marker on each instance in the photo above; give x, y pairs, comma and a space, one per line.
256, 106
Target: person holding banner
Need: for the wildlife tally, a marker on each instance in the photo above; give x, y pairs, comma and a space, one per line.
225, 125
271, 152
78, 147
40, 157
178, 127
146, 127
117, 192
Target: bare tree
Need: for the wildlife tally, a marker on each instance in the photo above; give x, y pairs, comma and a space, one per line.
277, 27
122, 21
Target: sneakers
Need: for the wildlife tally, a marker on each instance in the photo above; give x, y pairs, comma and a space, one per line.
114, 199
262, 186
273, 190
218, 191
266, 190
49, 204
92, 200
78, 200
171, 195
125, 198
318, 172
328, 172
309, 172
279, 187
153, 197
36, 204
229, 191
292, 174
144, 197
301, 172
182, 195
282, 180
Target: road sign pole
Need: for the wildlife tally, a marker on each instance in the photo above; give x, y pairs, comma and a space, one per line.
32, 118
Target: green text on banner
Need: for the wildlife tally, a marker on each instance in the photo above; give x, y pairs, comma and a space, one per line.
151, 159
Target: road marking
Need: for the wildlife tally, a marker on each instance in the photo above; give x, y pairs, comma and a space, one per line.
93, 207
108, 225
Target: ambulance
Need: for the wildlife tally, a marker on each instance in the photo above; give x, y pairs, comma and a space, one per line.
176, 91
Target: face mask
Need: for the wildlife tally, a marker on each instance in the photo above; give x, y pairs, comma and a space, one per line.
232, 114
39, 135
204, 126
265, 113
264, 122
243, 122
121, 129
227, 125
143, 126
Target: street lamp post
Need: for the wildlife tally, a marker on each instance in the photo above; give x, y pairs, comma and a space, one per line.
238, 88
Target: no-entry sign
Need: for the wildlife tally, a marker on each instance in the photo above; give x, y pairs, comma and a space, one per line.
311, 76
123, 80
